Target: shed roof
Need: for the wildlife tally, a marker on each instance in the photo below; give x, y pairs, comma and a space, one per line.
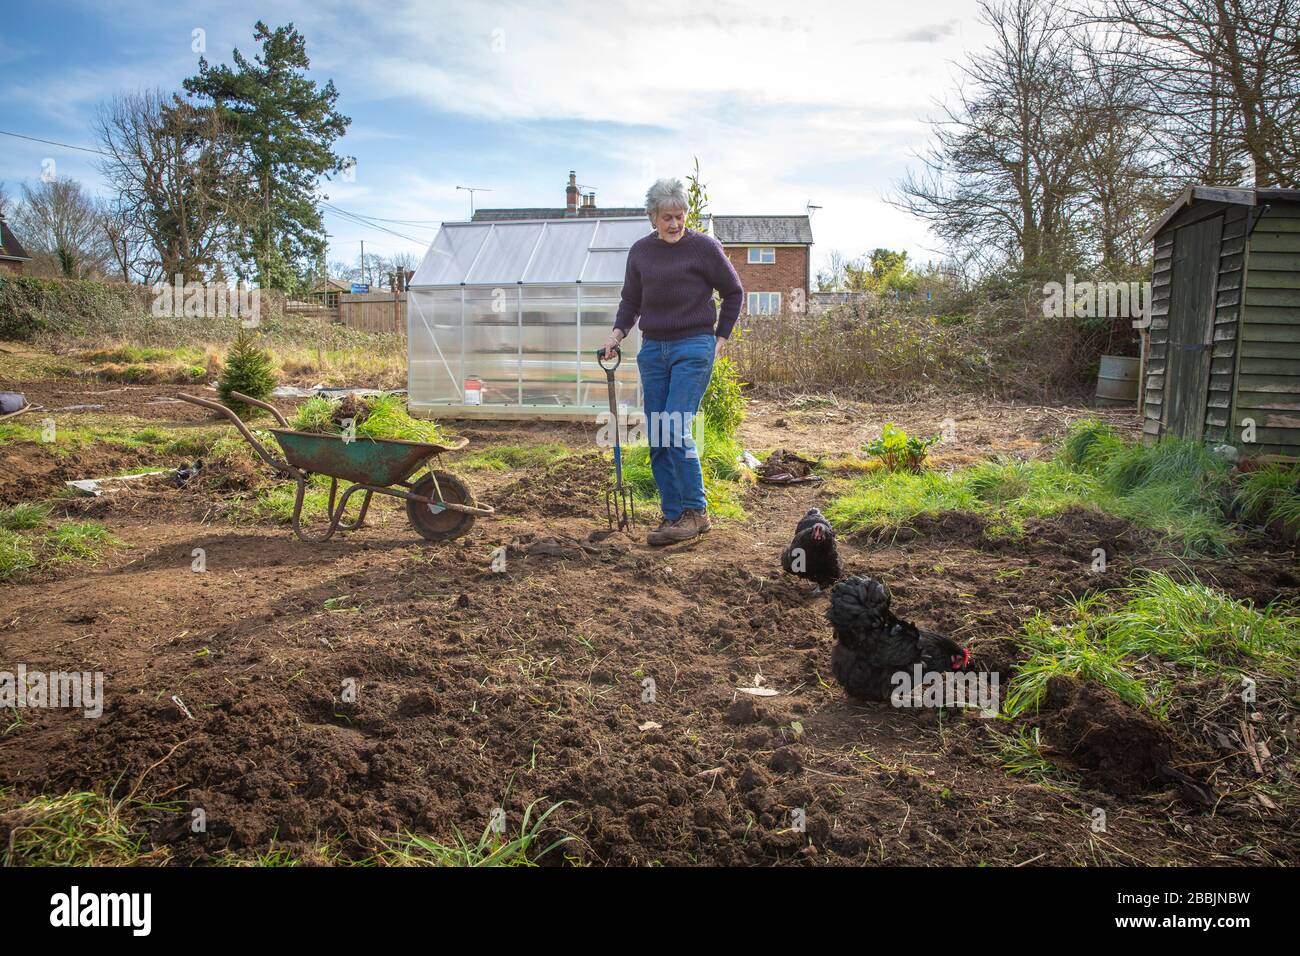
10, 247
778, 230
550, 251
1233, 195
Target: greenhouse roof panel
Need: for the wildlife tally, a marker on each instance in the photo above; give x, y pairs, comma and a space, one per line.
529, 251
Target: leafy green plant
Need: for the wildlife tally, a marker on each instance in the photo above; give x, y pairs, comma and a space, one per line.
723, 405
899, 451
249, 370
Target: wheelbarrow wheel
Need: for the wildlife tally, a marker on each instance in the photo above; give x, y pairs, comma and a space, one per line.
443, 524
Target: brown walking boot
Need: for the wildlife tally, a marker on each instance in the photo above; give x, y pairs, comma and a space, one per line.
674, 532
702, 522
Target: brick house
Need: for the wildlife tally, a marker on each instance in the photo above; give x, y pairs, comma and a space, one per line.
773, 257
13, 257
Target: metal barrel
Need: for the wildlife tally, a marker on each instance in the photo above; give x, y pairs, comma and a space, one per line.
1117, 380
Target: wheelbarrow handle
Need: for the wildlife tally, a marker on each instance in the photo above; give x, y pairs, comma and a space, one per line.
238, 422
240, 396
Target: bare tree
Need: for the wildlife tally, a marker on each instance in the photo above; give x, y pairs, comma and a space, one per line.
1119, 164
1003, 181
1223, 77
179, 173
56, 218
128, 245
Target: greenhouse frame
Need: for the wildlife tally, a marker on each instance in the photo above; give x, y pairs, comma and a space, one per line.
504, 319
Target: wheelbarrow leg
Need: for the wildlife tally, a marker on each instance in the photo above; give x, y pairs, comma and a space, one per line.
365, 506
334, 516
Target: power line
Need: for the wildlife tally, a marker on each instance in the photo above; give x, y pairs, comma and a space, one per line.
355, 218
417, 223
361, 221
50, 142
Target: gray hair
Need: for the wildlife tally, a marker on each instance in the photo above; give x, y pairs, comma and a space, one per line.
665, 194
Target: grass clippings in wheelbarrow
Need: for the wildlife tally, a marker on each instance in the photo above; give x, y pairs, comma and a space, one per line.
375, 416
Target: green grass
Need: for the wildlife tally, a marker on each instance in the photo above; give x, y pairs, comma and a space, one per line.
511, 457
1175, 488
86, 431
1271, 495
273, 501
30, 540
491, 849
76, 829
386, 417
1021, 752
1120, 641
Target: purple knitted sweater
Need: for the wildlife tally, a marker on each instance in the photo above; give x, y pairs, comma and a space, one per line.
670, 286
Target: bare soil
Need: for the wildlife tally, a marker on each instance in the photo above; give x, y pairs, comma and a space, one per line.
478, 689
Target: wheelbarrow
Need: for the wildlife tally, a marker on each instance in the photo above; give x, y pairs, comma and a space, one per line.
438, 505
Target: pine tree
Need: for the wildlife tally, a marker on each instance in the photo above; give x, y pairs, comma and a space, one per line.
249, 370
287, 125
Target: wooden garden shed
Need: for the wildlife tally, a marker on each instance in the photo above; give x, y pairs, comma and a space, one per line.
1223, 351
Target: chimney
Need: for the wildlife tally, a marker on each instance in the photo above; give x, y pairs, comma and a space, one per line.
591, 199
571, 195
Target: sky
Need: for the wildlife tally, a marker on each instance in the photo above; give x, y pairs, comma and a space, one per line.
784, 104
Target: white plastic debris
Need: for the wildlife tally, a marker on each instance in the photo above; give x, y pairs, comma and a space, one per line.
96, 486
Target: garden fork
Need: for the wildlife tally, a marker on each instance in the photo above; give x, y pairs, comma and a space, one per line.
619, 510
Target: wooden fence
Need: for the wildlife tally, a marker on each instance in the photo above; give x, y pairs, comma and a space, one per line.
374, 312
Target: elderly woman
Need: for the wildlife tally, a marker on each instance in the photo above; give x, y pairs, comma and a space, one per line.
669, 285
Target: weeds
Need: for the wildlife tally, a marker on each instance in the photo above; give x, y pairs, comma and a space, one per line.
1271, 496
1122, 642
77, 829
491, 849
899, 451
1175, 488
31, 540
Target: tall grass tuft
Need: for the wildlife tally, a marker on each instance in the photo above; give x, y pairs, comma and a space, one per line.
1271, 495
1123, 641
491, 848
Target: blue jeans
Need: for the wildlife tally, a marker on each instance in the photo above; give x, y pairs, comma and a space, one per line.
674, 377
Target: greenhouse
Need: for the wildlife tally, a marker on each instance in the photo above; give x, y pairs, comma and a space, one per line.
504, 319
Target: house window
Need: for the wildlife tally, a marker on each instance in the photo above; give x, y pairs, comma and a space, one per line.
764, 303
761, 255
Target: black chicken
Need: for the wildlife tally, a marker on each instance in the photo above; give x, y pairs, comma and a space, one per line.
872, 645
812, 553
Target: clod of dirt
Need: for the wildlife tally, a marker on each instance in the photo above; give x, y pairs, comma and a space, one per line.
743, 711
785, 760
753, 777
351, 407
418, 703
1114, 745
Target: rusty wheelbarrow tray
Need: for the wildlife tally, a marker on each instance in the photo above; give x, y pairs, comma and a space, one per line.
439, 506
